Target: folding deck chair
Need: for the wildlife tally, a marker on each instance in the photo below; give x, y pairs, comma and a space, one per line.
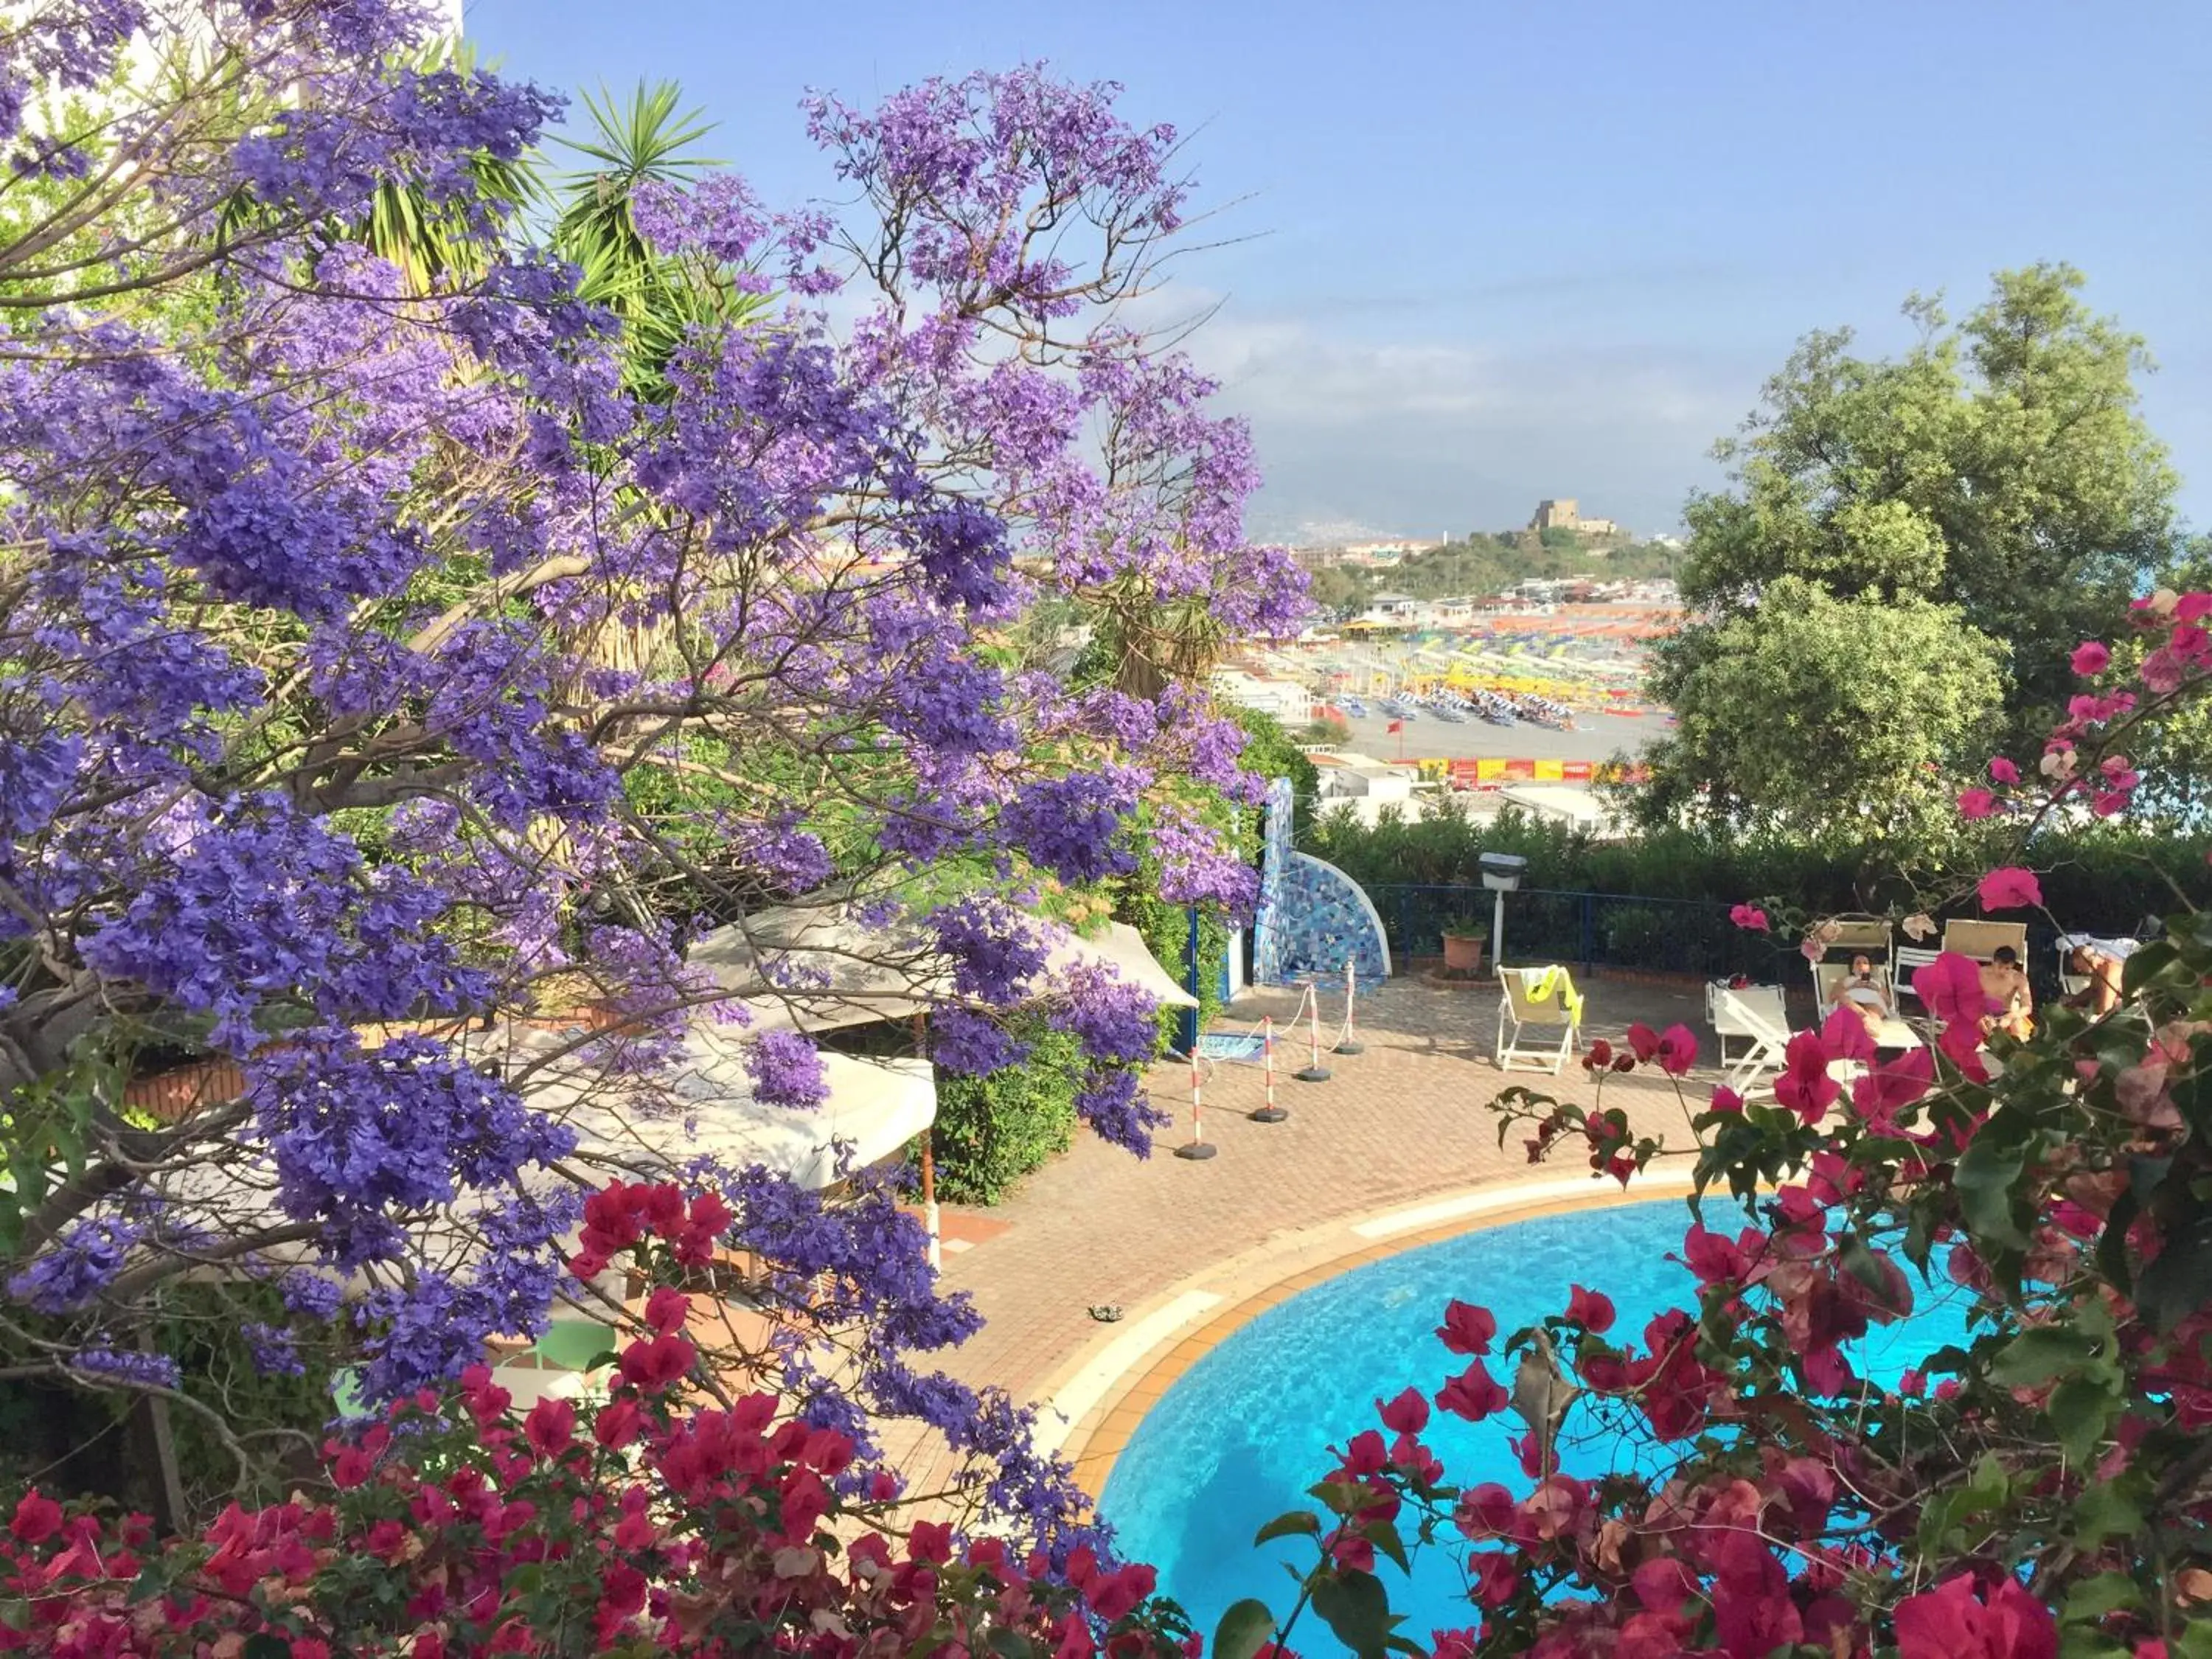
1540, 998
1755, 1012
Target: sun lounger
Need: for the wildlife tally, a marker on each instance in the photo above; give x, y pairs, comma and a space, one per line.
1543, 1001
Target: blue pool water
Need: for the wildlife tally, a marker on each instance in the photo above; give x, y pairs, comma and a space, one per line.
1244, 1432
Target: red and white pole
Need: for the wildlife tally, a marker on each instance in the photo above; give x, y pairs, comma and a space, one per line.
1269, 1113
1195, 1147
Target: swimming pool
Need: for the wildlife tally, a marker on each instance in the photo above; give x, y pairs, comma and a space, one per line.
1240, 1436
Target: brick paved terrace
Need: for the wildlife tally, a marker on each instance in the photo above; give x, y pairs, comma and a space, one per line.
1400, 1123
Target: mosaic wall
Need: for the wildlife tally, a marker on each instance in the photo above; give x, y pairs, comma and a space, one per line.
1313, 918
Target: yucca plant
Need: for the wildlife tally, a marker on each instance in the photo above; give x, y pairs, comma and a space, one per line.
660, 297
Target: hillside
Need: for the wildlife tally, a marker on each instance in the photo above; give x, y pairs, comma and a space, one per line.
1484, 563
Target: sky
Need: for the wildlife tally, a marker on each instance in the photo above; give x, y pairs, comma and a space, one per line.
1468, 255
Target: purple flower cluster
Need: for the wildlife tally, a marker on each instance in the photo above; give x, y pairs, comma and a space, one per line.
79, 1264
786, 1071
994, 950
1072, 825
970, 1044
128, 1368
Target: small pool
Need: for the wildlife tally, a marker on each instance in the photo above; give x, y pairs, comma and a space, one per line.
1244, 1432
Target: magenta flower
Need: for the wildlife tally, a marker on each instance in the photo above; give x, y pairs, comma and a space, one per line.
1977, 804
1644, 1042
1406, 1415
1592, 1310
1749, 917
1845, 1036
1678, 1050
2003, 771
2010, 889
1474, 1394
1955, 1621
2090, 657
1726, 1099
1951, 987
1468, 1328
1805, 1086
2192, 607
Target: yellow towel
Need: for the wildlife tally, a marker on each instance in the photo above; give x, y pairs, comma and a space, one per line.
1557, 979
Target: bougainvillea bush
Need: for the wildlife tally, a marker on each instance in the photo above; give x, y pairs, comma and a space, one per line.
666, 1517
384, 638
2042, 1489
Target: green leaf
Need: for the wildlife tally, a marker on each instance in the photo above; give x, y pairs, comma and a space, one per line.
2179, 1282
2036, 1356
2107, 1509
1384, 1536
2195, 1641
1984, 1178
1009, 1644
262, 1645
2093, 1598
1356, 1606
1288, 1524
2080, 1410
1244, 1631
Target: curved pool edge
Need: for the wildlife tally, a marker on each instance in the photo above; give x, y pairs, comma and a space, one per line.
1097, 1402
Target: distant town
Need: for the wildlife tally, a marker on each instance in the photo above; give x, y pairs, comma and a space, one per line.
1560, 554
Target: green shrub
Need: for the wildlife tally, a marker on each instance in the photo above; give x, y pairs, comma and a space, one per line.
2098, 878
992, 1131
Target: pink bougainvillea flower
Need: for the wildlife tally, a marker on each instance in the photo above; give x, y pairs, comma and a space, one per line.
1977, 804
1474, 1394
1726, 1099
2003, 771
1406, 1415
1805, 1086
1845, 1036
1592, 1310
1494, 1577
1886, 1090
1749, 917
2010, 889
1955, 1620
2091, 658
1644, 1040
1951, 989
1678, 1050
1467, 1328
2192, 607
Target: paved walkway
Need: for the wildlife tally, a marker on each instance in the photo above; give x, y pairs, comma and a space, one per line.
1401, 1122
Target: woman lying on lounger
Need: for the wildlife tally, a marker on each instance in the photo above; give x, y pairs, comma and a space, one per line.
1866, 996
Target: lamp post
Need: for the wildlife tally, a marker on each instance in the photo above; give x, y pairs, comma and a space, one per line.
1501, 874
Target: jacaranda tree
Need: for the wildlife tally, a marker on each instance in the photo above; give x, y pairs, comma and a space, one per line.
393, 681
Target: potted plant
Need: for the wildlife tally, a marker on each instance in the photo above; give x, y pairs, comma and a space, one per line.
1463, 942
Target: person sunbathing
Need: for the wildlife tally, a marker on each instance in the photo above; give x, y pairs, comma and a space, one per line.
2003, 983
1867, 996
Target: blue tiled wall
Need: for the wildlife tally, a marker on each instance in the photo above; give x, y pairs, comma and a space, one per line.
1313, 918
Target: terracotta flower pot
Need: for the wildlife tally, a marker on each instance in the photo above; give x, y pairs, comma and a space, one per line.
1463, 953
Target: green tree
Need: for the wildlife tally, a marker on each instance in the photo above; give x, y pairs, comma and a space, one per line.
1811, 708
1999, 466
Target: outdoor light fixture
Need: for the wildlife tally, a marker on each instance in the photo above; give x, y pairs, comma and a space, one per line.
1501, 874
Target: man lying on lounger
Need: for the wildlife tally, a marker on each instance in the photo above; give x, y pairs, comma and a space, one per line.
2003, 982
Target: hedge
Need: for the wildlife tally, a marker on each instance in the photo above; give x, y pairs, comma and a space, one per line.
992, 1131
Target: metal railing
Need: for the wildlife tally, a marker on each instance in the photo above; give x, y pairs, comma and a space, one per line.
1611, 930
1621, 930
